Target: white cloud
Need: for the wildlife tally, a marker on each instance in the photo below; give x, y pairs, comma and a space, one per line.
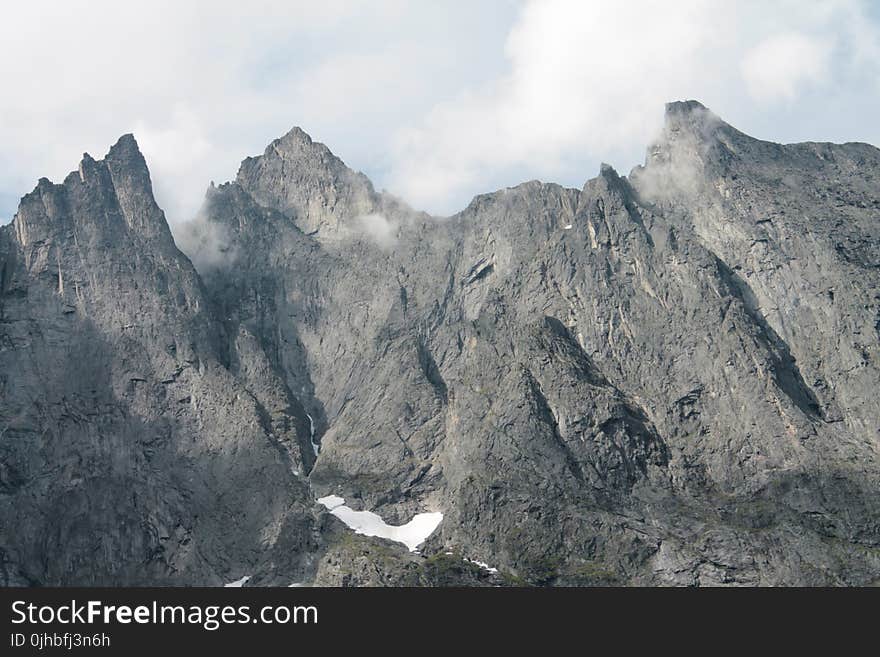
379, 229
180, 151
584, 78
204, 84
587, 81
436, 101
207, 244
779, 66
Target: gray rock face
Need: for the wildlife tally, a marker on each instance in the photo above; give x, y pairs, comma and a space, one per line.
133, 449
667, 378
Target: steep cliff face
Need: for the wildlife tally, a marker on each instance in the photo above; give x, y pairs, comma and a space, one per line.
133, 450
665, 378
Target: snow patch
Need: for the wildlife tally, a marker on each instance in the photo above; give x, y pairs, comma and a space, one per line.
331, 501
237, 583
567, 227
482, 565
367, 523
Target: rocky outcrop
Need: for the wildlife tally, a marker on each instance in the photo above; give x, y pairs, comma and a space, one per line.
665, 378
134, 450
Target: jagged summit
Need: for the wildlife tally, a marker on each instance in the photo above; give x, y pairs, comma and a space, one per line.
127, 149
126, 141
296, 135
684, 107
690, 117
306, 181
294, 145
124, 154
111, 194
666, 378
298, 148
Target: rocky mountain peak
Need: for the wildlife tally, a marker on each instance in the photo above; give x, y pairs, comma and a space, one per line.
296, 136
126, 152
608, 182
684, 108
304, 180
110, 195
693, 144
134, 188
690, 120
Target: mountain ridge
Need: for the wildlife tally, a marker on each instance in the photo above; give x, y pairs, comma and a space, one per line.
659, 378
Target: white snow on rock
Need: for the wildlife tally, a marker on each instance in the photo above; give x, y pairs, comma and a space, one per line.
331, 501
237, 583
482, 565
367, 523
568, 227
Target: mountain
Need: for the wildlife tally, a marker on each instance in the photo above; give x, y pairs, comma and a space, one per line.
666, 378
133, 450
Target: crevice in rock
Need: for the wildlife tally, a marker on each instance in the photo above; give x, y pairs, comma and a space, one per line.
479, 271
545, 414
266, 425
586, 367
431, 371
786, 372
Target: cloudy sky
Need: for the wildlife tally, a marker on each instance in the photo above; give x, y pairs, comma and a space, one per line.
435, 101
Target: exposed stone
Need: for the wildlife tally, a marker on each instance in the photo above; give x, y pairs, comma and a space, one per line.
667, 378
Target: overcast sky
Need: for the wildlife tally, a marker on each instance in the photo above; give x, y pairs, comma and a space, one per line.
435, 101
